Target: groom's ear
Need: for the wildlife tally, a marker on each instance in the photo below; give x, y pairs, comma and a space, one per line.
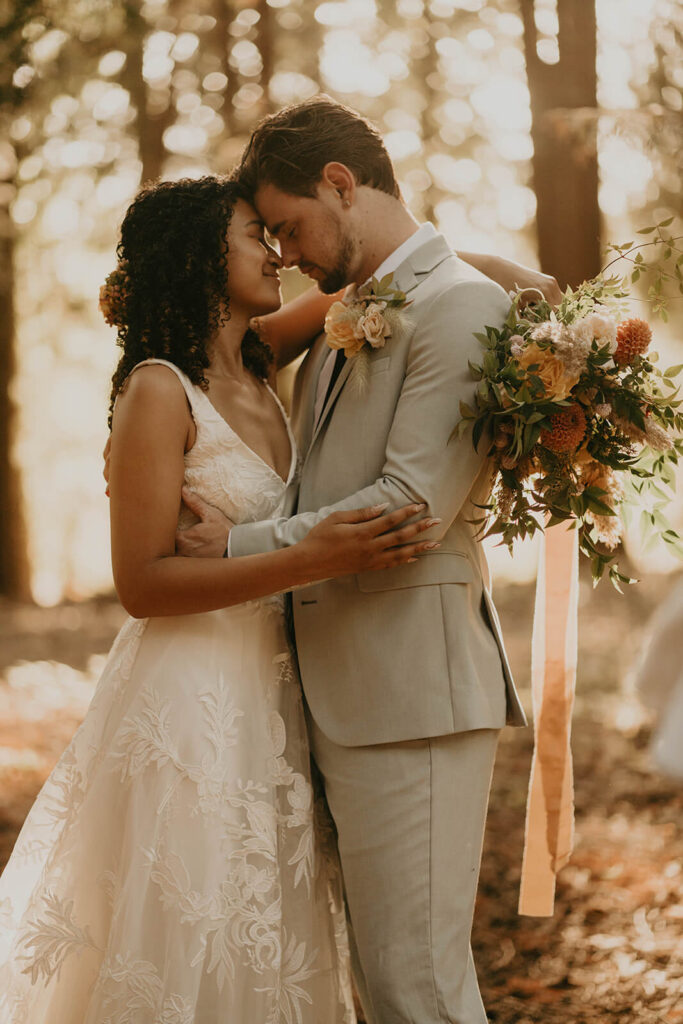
339, 179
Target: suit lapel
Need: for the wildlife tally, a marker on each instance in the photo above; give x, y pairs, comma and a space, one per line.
305, 389
407, 276
327, 408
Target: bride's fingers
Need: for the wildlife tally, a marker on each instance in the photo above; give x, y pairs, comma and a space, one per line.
106, 455
405, 553
404, 534
358, 515
391, 520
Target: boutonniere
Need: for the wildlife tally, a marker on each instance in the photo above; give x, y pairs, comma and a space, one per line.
365, 319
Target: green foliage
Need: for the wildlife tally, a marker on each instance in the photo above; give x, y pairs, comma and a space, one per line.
657, 263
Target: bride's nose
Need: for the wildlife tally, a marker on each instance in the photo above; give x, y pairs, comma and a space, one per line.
274, 257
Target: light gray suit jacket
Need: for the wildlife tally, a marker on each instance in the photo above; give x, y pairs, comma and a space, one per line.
414, 651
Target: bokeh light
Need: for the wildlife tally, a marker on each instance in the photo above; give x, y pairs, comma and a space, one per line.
446, 82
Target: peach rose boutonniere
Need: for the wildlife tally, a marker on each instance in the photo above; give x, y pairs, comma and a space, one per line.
364, 320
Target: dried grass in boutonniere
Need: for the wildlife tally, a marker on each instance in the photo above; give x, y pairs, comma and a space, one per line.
363, 320
580, 423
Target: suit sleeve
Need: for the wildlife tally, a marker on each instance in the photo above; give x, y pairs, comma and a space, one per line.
424, 463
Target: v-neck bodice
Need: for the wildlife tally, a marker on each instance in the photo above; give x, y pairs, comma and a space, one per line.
223, 469
292, 444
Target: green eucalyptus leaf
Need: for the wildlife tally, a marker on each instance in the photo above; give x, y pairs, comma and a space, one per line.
477, 432
490, 363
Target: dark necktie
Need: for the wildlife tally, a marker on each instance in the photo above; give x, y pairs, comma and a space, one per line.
336, 370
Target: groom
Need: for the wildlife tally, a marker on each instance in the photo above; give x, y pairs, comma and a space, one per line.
404, 673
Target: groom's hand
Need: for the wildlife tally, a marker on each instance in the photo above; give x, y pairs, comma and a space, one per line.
209, 537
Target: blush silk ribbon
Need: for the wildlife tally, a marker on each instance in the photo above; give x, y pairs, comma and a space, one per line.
549, 833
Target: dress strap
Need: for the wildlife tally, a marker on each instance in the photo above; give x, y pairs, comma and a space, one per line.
189, 388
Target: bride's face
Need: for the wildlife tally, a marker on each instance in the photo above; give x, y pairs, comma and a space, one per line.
253, 279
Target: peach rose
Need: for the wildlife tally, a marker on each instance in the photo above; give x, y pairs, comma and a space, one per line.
551, 371
372, 326
340, 328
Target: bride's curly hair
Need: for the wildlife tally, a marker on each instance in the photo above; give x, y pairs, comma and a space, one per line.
169, 293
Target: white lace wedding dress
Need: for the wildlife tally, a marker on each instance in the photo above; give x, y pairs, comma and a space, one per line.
174, 869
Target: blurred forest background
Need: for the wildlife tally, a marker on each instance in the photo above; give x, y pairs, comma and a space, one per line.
537, 129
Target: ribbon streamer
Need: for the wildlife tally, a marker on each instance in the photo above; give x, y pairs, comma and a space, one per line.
549, 831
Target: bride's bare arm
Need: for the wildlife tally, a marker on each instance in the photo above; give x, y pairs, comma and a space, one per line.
152, 429
290, 330
514, 277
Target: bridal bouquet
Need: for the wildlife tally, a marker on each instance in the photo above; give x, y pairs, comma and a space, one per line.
579, 421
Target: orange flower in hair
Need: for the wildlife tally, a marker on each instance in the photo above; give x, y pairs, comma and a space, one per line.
633, 339
567, 430
114, 295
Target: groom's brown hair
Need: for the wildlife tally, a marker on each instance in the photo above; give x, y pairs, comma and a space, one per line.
290, 148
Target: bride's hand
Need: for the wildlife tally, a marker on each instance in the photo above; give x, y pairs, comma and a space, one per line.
514, 277
209, 537
367, 538
533, 284
106, 455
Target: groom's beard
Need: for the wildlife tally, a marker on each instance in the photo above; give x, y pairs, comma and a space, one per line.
340, 275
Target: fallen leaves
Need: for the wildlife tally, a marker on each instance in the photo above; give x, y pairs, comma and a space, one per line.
612, 953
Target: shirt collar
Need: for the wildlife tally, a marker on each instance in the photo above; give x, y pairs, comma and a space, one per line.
405, 249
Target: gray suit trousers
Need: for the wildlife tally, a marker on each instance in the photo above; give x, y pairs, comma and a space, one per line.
410, 819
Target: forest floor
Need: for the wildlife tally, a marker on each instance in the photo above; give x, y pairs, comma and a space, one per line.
613, 951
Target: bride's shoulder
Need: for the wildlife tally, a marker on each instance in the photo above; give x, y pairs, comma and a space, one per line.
155, 388
155, 379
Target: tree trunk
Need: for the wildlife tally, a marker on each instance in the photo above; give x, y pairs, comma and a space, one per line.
150, 126
308, 56
425, 70
219, 42
565, 163
14, 568
266, 45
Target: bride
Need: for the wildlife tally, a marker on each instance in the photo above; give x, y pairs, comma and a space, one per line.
174, 869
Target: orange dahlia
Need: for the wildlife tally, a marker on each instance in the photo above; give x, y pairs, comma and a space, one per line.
567, 430
633, 339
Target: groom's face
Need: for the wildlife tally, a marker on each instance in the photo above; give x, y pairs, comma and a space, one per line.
311, 232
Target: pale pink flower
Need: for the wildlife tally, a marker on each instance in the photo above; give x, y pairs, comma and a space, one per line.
516, 345
372, 325
571, 350
599, 326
